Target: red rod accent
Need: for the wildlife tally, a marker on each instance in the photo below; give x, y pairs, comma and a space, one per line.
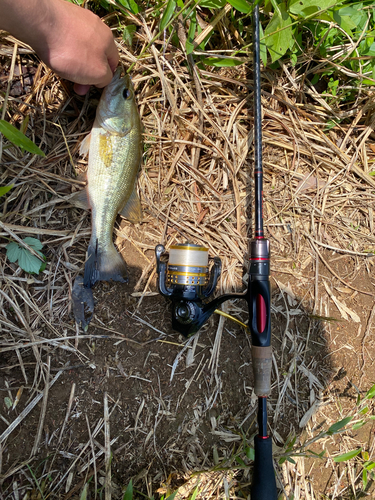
261, 313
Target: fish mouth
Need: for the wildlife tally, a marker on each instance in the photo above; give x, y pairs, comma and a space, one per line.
119, 82
117, 74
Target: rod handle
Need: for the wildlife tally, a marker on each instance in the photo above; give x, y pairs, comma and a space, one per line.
262, 367
264, 482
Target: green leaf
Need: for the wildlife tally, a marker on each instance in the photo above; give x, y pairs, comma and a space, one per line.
171, 497
129, 491
84, 492
275, 6
290, 442
128, 33
240, 461
8, 402
26, 260
369, 50
370, 393
167, 14
212, 4
315, 79
358, 425
262, 46
339, 425
105, 4
293, 59
13, 251
18, 138
130, 5
250, 453
319, 455
369, 465
133, 7
364, 478
289, 459
241, 5
351, 17
221, 61
34, 243
279, 33
191, 33
329, 124
347, 456
5, 189
303, 8
195, 493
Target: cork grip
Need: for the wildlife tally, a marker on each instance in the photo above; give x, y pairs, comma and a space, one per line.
262, 366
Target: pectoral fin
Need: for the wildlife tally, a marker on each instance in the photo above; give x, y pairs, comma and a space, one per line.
85, 145
80, 199
132, 209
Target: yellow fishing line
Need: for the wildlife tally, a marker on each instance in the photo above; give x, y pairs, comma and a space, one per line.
226, 315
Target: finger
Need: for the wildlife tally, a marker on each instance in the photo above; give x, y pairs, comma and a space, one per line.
112, 56
81, 89
106, 79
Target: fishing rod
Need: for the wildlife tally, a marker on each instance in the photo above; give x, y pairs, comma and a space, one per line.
184, 278
259, 302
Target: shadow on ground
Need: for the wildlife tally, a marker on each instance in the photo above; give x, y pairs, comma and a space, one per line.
162, 427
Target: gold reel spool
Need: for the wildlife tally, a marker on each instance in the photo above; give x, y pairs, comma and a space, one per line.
188, 265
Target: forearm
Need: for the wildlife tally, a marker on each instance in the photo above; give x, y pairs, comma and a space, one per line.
72, 41
28, 20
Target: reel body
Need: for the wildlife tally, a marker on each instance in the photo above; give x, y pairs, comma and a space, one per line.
185, 277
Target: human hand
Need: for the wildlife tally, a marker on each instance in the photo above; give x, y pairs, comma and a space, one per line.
71, 40
80, 48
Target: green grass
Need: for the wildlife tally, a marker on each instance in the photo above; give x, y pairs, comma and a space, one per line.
328, 40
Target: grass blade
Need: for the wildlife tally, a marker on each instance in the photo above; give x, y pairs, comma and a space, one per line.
18, 138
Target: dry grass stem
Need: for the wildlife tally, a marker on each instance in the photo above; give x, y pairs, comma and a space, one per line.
183, 409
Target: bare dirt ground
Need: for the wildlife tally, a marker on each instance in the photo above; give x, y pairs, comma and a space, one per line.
131, 399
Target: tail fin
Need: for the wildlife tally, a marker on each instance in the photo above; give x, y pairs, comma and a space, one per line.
103, 265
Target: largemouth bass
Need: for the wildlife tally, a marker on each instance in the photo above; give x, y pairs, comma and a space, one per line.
115, 149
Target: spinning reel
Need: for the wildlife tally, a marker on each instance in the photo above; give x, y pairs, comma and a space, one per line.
189, 277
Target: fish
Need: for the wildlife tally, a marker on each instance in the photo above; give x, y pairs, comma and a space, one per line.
114, 149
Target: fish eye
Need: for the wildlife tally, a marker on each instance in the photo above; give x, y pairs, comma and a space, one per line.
126, 93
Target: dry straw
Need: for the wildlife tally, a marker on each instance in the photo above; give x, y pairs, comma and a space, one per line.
319, 215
